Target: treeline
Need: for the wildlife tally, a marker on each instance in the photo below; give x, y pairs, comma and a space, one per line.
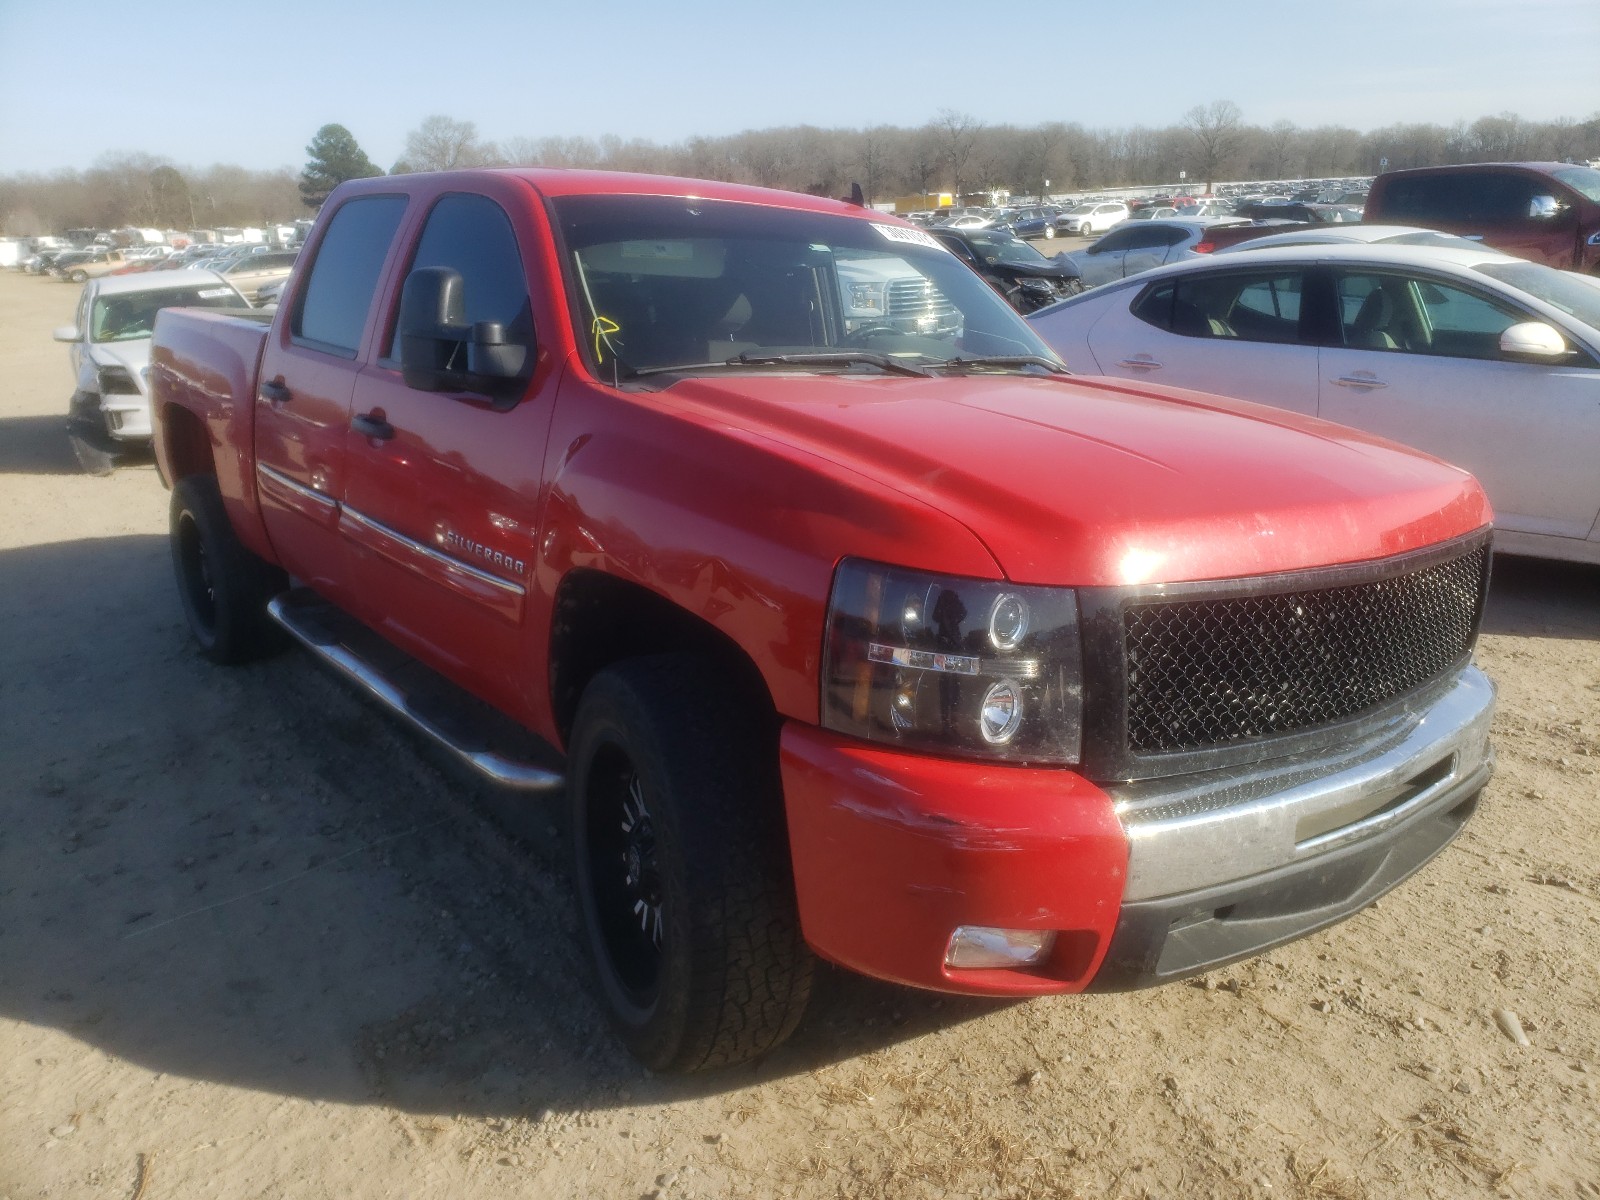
954, 152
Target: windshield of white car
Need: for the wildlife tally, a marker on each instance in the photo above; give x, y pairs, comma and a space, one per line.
664, 284
1572, 294
1081, 209
132, 315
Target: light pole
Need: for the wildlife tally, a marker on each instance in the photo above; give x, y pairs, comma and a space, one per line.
1044, 195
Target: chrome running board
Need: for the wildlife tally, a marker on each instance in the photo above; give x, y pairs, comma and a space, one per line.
425, 701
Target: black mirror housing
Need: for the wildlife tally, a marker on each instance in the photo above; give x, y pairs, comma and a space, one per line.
432, 326
439, 351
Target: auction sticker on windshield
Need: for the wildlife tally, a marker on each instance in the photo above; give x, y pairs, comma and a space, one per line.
911, 237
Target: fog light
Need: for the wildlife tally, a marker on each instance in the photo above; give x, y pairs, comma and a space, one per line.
979, 947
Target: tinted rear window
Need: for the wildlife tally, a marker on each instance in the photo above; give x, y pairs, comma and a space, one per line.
333, 308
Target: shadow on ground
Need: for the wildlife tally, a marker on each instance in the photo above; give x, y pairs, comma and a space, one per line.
249, 876
36, 446
1535, 597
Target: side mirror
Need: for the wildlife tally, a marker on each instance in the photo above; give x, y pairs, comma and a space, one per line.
1535, 340
66, 333
439, 351
1544, 208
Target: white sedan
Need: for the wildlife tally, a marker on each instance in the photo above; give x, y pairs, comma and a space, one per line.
1483, 360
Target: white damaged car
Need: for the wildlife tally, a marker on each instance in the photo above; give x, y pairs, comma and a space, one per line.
109, 342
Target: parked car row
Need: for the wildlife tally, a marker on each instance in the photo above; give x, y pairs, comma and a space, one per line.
246, 267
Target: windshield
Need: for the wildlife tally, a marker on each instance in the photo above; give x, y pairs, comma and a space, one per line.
1079, 209
667, 282
133, 315
1582, 179
999, 248
1572, 294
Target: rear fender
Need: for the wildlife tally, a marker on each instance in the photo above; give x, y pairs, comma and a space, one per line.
203, 369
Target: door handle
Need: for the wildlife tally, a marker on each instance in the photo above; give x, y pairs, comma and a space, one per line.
1143, 363
275, 391
1360, 381
373, 425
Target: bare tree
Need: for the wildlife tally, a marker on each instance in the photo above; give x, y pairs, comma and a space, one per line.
442, 143
957, 135
1215, 137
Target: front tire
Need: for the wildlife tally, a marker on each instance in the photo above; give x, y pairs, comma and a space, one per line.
223, 586
682, 866
78, 276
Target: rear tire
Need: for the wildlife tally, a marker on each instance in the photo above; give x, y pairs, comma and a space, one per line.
682, 866
223, 586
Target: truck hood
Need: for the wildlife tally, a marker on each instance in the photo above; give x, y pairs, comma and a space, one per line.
1094, 482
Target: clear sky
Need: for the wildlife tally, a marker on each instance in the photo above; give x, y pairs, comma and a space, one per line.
250, 83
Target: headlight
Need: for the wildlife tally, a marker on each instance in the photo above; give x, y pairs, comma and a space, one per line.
116, 381
963, 666
867, 299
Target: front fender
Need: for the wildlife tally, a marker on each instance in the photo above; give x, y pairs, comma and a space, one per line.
736, 528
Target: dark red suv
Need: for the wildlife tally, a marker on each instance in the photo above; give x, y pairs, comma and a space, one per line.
1546, 212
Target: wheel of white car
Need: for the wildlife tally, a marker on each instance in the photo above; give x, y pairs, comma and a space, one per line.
78, 276
224, 587
682, 868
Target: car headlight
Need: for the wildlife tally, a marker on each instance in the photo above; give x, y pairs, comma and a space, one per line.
116, 381
962, 666
867, 299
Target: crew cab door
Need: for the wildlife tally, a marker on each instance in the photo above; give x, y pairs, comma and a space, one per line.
303, 388
443, 504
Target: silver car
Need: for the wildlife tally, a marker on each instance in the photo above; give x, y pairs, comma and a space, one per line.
109, 348
1483, 360
1136, 246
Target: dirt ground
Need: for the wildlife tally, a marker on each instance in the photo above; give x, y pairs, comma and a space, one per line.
256, 942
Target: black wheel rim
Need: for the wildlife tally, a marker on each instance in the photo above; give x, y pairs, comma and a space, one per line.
197, 584
624, 873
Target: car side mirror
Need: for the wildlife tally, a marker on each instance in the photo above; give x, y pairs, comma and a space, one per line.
439, 351
66, 333
1533, 340
1544, 208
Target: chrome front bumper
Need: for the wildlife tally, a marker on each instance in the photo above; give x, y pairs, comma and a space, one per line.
1223, 826
1229, 863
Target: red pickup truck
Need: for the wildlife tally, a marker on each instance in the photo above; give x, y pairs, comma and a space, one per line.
844, 619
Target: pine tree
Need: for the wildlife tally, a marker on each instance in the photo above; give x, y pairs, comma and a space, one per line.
335, 157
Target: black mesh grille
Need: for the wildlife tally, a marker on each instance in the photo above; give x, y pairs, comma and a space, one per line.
1204, 673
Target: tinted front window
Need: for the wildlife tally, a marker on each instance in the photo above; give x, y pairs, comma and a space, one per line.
333, 309
473, 236
1420, 316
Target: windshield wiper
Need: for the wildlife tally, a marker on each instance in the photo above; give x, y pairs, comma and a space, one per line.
829, 358
1005, 360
